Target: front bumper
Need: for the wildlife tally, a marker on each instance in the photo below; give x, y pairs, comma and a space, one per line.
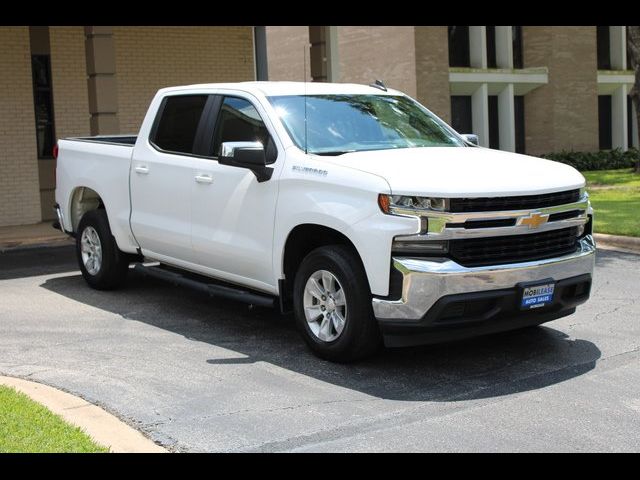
427, 284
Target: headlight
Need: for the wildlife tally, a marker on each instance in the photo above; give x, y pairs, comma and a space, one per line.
408, 205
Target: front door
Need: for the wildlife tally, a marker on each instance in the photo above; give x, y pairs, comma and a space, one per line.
232, 213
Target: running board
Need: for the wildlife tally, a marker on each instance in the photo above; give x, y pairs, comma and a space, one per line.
212, 289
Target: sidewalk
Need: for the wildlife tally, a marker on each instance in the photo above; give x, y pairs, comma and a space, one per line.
32, 235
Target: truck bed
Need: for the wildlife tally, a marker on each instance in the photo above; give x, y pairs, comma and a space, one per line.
100, 164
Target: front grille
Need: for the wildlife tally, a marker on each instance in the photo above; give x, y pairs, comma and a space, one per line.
525, 202
475, 252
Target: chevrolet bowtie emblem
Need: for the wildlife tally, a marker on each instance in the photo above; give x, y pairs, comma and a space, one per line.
534, 220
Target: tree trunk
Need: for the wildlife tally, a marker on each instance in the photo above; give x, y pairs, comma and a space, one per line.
633, 43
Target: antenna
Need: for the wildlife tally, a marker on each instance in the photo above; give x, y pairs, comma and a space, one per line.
379, 84
305, 95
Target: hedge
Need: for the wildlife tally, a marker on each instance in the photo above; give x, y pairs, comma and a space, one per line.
602, 160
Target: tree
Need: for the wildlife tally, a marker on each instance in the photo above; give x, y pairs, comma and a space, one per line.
633, 44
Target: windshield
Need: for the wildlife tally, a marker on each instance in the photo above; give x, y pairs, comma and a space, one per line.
339, 124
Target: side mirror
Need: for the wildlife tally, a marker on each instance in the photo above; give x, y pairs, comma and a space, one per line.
250, 155
471, 138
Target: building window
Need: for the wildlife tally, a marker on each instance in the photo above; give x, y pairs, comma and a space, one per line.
630, 131
626, 45
516, 34
604, 122
491, 47
519, 122
628, 50
461, 113
494, 123
459, 54
604, 53
43, 104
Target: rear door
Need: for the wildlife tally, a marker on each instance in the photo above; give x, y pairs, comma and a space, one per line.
162, 178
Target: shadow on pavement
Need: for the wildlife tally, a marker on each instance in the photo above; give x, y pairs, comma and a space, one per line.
605, 258
483, 367
31, 262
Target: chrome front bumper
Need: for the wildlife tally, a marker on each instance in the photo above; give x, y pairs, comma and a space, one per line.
426, 281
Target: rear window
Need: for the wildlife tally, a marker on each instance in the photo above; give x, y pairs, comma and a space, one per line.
178, 123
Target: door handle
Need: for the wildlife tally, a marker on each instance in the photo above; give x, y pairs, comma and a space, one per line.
143, 169
204, 179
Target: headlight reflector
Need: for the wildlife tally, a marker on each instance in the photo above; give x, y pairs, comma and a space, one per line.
404, 204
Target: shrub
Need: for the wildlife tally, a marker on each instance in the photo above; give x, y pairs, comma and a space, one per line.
602, 160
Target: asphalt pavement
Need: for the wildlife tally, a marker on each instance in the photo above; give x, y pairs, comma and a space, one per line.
201, 374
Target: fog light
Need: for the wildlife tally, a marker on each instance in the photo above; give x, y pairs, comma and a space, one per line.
580, 230
420, 247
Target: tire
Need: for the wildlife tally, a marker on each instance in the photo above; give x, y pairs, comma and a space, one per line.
360, 336
110, 271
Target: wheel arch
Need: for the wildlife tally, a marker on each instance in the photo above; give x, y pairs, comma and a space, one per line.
301, 240
82, 200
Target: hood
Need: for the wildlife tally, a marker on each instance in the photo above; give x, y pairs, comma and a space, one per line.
462, 171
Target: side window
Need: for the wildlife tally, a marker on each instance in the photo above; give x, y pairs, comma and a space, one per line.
239, 121
177, 126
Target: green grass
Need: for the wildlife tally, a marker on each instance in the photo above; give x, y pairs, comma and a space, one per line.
613, 178
27, 426
615, 196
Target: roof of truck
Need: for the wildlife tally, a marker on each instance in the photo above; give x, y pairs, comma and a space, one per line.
290, 88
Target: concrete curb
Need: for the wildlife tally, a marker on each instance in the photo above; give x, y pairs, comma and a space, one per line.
29, 236
103, 427
617, 242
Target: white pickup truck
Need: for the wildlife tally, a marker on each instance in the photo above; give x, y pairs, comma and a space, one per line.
353, 206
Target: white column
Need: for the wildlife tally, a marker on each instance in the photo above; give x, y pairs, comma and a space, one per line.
634, 127
507, 119
333, 60
618, 47
619, 138
504, 47
478, 46
480, 114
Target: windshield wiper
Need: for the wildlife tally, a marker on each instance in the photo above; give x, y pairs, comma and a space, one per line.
333, 153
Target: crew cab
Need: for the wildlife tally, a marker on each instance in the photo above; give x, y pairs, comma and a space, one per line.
353, 206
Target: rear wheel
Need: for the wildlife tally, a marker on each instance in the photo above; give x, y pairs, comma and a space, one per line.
332, 305
103, 265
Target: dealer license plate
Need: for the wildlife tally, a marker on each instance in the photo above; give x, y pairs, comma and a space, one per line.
537, 296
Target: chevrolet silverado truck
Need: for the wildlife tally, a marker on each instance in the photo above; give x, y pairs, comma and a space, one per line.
352, 206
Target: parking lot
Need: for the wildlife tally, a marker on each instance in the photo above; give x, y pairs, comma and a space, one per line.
201, 374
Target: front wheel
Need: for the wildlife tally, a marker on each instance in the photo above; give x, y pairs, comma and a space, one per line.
103, 265
332, 305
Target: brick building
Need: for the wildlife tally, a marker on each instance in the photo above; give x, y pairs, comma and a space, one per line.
530, 89
68, 81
